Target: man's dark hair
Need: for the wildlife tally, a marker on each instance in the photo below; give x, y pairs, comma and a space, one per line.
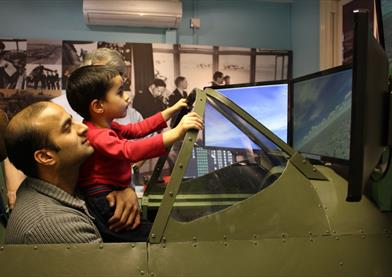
2, 45
158, 83
178, 80
217, 75
23, 138
88, 83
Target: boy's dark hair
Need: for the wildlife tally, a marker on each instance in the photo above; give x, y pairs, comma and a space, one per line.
88, 83
178, 80
217, 75
23, 138
158, 83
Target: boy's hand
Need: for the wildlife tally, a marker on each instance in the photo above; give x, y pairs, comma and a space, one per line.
167, 113
126, 214
189, 121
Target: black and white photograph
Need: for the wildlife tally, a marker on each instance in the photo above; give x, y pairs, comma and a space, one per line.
44, 51
12, 63
73, 55
43, 77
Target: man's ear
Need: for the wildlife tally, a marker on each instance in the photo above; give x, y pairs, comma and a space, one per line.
96, 106
44, 157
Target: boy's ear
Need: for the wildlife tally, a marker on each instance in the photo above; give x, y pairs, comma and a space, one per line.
96, 106
44, 157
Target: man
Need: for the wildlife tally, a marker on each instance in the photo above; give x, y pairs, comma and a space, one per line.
217, 79
127, 212
150, 101
48, 146
181, 85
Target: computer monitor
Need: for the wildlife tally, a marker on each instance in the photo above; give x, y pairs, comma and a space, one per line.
267, 102
321, 113
369, 114
384, 21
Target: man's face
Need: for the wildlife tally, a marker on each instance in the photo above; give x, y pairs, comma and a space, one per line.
67, 134
184, 85
157, 91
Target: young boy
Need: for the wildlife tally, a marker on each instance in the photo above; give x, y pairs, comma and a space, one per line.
96, 93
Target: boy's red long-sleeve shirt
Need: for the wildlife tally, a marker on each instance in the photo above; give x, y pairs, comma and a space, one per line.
110, 164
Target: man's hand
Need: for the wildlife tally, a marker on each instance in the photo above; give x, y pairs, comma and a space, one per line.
126, 215
11, 195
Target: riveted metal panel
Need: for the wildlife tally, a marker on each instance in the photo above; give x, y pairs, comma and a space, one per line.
361, 217
318, 256
289, 206
120, 260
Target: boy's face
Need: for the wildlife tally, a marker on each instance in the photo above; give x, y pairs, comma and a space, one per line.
117, 100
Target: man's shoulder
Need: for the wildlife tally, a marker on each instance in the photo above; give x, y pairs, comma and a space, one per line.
37, 217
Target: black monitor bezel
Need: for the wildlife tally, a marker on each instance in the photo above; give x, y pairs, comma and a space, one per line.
314, 75
365, 144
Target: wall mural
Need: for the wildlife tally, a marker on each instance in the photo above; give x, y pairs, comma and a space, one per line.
36, 70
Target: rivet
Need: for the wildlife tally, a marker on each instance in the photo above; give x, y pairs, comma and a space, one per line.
337, 238
35, 247
283, 240
133, 245
224, 237
311, 239
341, 263
1, 248
171, 194
190, 139
314, 169
101, 246
363, 237
304, 161
255, 243
194, 238
164, 239
254, 236
325, 208
310, 233
141, 272
319, 205
361, 231
283, 235
181, 166
153, 236
152, 274
327, 232
68, 247
225, 243
163, 245
194, 245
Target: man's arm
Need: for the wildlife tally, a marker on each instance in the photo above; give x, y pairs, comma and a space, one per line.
64, 228
13, 179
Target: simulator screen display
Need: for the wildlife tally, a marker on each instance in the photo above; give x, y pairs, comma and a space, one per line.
322, 115
386, 11
268, 104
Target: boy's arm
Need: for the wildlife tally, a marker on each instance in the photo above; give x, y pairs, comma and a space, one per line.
107, 142
141, 128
